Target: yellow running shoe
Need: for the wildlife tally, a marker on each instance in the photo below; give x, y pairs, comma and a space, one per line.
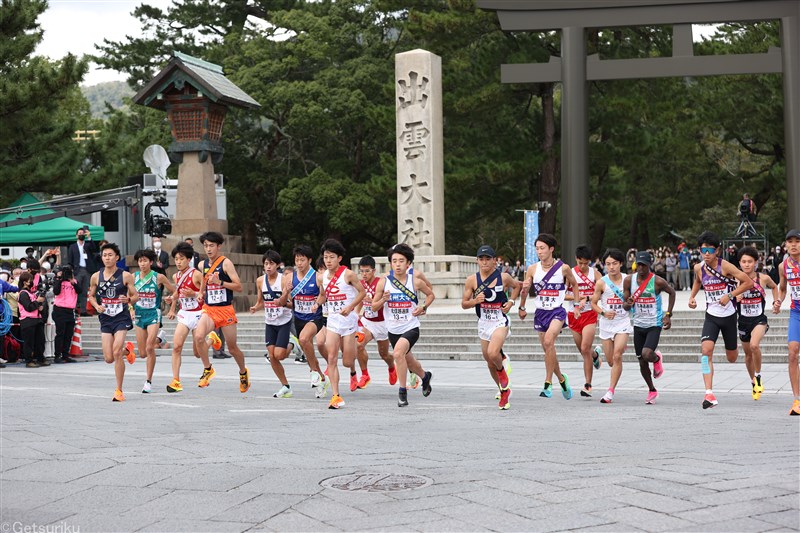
175, 386
214, 339
208, 373
336, 402
756, 392
244, 381
118, 396
759, 383
130, 352
795, 408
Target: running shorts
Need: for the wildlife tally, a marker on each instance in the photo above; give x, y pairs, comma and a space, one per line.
543, 317
587, 318
222, 315
645, 338
713, 325
412, 336
378, 329
747, 324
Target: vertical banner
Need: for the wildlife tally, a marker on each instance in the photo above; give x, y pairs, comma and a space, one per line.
531, 232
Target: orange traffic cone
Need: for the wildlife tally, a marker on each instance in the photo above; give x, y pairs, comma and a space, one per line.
75, 347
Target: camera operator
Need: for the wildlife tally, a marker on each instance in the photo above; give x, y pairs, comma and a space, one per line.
32, 313
747, 208
66, 289
81, 257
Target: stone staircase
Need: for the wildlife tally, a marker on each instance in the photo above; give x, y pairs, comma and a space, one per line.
452, 334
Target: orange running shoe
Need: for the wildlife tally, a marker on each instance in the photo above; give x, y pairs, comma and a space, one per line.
392, 376
118, 396
208, 373
130, 354
353, 383
795, 408
214, 339
364, 381
336, 402
244, 381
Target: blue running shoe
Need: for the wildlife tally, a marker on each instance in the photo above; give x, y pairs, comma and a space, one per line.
547, 391
566, 390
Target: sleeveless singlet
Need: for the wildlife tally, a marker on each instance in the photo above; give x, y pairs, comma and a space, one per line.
109, 291
185, 282
647, 306
369, 314
585, 289
491, 309
611, 301
397, 311
149, 291
752, 303
340, 295
791, 270
715, 288
552, 295
274, 315
217, 295
304, 300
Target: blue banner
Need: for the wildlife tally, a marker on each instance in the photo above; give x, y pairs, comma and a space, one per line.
531, 232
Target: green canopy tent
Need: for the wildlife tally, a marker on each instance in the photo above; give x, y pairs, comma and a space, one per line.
59, 230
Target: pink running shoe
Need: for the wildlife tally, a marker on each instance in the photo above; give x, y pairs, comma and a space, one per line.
651, 397
658, 366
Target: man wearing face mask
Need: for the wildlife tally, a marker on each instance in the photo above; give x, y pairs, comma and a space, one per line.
162, 258
81, 257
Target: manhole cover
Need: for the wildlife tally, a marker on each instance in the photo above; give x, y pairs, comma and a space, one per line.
376, 482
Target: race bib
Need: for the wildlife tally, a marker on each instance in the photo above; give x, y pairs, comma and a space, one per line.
189, 303
303, 303
794, 289
750, 307
336, 303
147, 300
368, 312
715, 292
400, 311
215, 295
646, 307
491, 312
615, 304
113, 307
548, 299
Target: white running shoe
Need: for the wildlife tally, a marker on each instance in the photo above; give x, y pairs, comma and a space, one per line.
284, 392
322, 390
148, 387
316, 379
608, 397
497, 396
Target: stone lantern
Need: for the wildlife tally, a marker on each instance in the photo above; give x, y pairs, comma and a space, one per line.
196, 96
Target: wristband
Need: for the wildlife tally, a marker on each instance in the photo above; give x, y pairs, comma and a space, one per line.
521, 308
668, 313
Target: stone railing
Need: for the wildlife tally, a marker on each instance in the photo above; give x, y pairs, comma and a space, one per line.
446, 273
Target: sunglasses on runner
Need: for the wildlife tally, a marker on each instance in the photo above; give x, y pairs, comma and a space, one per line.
705, 250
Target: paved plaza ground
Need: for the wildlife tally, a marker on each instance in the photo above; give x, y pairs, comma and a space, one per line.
217, 460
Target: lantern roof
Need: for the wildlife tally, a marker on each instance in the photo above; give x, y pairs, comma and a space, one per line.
206, 77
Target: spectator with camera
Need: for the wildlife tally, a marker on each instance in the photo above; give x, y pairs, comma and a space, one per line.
32, 314
81, 257
66, 289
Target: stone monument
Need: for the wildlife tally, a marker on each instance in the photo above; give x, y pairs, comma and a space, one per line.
420, 155
196, 96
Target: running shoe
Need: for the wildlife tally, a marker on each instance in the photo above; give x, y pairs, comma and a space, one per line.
364, 381
208, 373
710, 401
322, 390
586, 391
566, 390
413, 380
596, 361
505, 394
392, 376
147, 388
300, 359
658, 367
501, 380
608, 397
283, 392
795, 408
336, 402
353, 382
756, 394
130, 353
759, 383
402, 398
497, 396
426, 384
175, 386
506, 363
118, 396
651, 397
547, 391
214, 340
316, 379
244, 381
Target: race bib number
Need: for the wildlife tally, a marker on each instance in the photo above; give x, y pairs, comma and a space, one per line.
615, 304
112, 307
715, 292
303, 303
216, 295
147, 300
272, 311
750, 307
646, 307
400, 311
491, 312
336, 303
368, 312
794, 289
548, 299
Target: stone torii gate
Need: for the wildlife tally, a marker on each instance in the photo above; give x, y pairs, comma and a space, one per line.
573, 69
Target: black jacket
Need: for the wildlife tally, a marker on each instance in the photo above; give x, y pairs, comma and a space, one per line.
74, 259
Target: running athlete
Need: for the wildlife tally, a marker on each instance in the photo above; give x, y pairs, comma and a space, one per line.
341, 292
147, 310
584, 329
790, 280
397, 294
220, 281
615, 321
373, 325
642, 292
718, 279
303, 292
486, 292
272, 296
752, 320
110, 291
188, 281
547, 282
